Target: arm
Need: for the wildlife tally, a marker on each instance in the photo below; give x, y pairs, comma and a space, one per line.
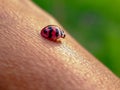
30, 62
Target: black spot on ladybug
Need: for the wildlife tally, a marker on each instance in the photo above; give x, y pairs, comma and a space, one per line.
50, 28
50, 32
45, 31
57, 32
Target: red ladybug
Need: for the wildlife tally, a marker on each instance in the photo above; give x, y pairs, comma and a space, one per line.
52, 32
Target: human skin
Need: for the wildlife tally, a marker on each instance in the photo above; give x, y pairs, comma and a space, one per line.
30, 62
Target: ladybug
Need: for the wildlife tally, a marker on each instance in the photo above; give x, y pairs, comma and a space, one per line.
52, 32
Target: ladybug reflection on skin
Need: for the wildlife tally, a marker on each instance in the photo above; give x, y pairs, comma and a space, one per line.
52, 32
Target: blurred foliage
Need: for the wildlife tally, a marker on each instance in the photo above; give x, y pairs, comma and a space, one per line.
94, 23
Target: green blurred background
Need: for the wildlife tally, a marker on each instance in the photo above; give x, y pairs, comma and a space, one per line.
93, 23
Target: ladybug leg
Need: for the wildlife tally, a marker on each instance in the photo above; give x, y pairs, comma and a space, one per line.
58, 41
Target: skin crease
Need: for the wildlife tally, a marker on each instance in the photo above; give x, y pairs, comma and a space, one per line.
30, 62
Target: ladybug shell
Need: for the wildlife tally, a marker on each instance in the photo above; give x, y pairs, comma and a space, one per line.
52, 32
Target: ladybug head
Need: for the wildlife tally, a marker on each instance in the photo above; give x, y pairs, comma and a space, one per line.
63, 34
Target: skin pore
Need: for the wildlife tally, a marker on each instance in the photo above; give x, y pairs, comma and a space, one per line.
30, 62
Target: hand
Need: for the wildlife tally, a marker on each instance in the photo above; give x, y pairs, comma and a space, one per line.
30, 62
